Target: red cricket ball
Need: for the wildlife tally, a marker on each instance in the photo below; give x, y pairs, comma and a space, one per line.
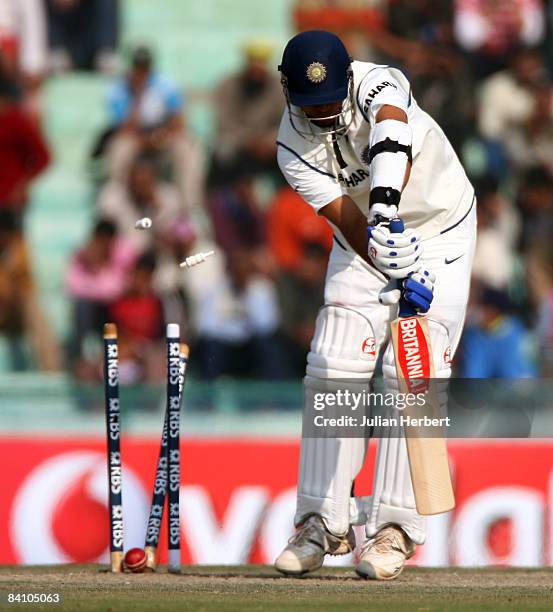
135, 560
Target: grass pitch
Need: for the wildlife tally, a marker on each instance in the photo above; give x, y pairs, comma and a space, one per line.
254, 587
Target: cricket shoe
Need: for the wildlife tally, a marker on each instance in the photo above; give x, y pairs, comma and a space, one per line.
307, 548
383, 557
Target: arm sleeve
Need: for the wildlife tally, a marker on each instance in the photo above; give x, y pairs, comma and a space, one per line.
316, 187
378, 88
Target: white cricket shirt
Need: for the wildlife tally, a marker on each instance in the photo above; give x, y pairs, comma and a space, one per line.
438, 194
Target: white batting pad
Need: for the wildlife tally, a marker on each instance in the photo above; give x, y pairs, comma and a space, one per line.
328, 466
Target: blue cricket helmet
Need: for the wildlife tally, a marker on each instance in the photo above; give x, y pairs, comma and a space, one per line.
315, 69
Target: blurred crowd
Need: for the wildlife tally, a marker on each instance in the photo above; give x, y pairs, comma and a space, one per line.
482, 68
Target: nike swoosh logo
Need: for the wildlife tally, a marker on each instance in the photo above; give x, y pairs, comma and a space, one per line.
450, 261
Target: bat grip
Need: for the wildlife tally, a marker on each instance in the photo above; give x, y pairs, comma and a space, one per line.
405, 308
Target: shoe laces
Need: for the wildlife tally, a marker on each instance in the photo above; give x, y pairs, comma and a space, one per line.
310, 532
385, 540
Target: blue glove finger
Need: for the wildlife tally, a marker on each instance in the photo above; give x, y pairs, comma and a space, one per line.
424, 292
421, 304
417, 299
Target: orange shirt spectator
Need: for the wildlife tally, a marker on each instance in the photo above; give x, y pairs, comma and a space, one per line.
292, 223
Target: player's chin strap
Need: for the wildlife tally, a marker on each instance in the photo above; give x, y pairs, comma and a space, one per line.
342, 119
387, 156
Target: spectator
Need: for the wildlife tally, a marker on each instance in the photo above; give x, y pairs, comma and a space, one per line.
237, 322
516, 112
237, 217
292, 225
138, 314
539, 270
23, 45
498, 227
15, 286
419, 37
20, 313
23, 151
96, 276
301, 295
140, 195
422, 20
506, 97
83, 34
495, 343
535, 204
145, 112
170, 282
349, 19
490, 30
533, 143
248, 107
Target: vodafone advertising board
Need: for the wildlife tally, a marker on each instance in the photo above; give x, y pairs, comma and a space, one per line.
238, 499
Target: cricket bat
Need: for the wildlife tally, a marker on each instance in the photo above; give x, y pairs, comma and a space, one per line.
428, 459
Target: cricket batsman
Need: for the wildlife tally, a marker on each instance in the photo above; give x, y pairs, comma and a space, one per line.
356, 146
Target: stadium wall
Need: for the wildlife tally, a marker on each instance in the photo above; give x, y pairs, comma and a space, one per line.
238, 499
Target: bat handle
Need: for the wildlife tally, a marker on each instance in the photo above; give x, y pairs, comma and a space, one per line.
405, 308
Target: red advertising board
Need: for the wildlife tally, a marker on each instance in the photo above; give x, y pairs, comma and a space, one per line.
238, 497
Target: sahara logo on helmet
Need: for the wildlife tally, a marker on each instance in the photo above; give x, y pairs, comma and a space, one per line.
316, 72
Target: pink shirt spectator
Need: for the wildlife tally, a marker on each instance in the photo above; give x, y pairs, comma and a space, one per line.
104, 282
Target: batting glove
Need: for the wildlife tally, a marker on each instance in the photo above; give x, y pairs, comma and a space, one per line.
417, 289
395, 255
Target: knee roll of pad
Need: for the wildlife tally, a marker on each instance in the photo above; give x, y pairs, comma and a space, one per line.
343, 345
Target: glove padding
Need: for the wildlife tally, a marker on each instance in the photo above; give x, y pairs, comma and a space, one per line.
417, 289
395, 255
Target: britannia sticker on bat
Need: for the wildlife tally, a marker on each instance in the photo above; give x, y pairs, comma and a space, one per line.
413, 355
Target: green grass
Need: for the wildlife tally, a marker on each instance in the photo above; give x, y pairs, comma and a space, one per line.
260, 588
